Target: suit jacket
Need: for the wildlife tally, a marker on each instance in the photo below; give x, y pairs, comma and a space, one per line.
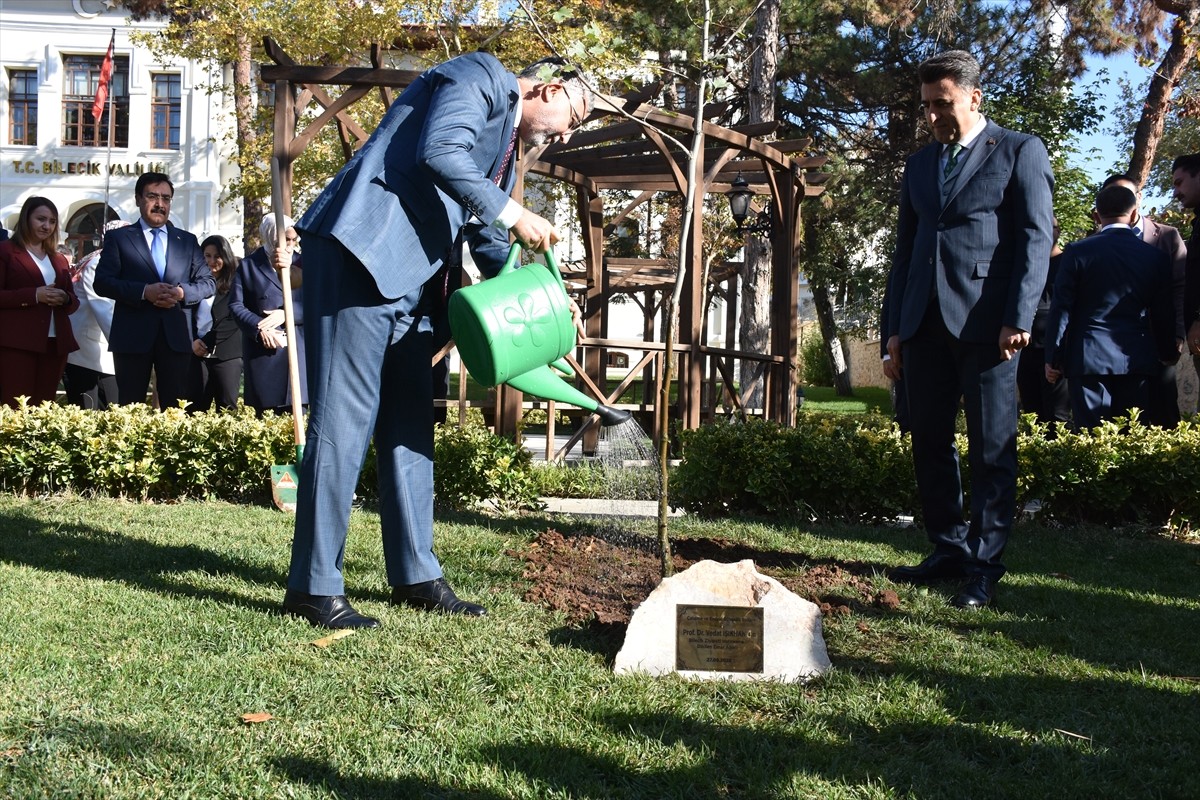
426, 172
124, 271
24, 322
1168, 240
256, 290
1113, 311
985, 251
91, 321
224, 337
1191, 299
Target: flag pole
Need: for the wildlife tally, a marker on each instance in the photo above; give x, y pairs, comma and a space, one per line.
108, 167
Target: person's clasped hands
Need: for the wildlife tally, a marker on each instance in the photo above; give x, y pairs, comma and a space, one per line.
162, 295
50, 296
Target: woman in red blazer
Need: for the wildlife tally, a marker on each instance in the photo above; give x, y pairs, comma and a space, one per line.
36, 300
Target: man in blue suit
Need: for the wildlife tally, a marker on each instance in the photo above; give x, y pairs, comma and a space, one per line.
1163, 405
437, 172
154, 271
972, 249
1112, 321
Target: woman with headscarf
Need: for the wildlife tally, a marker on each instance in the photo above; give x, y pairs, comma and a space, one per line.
36, 300
256, 301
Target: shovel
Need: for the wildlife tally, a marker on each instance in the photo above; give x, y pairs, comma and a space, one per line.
285, 478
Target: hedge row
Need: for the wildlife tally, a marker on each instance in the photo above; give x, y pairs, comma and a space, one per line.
851, 467
829, 466
138, 453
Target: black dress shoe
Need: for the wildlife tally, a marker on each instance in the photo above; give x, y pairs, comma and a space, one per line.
326, 611
980, 591
435, 596
937, 567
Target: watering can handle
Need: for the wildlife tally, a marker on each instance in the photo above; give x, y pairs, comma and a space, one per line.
514, 258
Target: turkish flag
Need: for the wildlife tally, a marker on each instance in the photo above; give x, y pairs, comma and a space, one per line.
105, 79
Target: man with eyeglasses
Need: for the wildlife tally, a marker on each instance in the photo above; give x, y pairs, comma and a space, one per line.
155, 272
379, 244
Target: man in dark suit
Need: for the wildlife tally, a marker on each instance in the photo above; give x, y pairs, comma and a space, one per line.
1162, 408
1037, 395
437, 171
1185, 178
972, 248
1112, 321
154, 271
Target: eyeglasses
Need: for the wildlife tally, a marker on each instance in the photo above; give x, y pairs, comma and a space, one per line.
576, 120
157, 198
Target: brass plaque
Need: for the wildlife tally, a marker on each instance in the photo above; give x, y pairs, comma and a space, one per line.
719, 638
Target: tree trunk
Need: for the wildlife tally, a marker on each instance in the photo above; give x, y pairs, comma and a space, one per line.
755, 308
243, 108
1175, 62
833, 341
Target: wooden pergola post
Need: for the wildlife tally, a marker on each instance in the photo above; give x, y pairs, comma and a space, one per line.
631, 152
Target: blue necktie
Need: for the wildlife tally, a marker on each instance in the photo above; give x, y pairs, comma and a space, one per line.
158, 251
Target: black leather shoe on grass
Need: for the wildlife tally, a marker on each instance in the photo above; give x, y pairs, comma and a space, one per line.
326, 611
980, 591
937, 567
435, 595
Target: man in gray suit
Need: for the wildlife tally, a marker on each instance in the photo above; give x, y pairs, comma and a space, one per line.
972, 248
437, 172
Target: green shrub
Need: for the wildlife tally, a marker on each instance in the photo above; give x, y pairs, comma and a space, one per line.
858, 467
472, 464
135, 452
830, 466
141, 454
815, 369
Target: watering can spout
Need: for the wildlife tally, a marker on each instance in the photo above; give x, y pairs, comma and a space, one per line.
543, 382
610, 416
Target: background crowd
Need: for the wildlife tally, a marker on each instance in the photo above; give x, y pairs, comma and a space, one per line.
152, 302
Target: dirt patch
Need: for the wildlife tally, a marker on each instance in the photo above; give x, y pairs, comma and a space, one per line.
603, 578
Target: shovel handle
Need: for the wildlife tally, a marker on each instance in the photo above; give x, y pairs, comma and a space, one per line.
289, 320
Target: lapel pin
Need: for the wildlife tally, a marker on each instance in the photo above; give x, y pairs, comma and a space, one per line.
991, 141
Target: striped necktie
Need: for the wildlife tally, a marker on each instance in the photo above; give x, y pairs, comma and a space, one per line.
955, 150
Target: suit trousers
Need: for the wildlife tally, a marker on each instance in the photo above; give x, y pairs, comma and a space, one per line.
939, 372
1050, 401
1162, 405
368, 361
88, 388
171, 374
1096, 398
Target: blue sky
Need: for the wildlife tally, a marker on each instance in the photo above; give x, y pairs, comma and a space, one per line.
1113, 93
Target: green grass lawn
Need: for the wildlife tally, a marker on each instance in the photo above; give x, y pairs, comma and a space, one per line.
136, 636
866, 398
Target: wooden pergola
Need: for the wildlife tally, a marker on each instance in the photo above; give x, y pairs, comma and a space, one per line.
625, 148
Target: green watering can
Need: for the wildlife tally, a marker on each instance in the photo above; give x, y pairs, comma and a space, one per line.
512, 328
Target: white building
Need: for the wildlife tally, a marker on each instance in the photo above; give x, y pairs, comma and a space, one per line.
165, 121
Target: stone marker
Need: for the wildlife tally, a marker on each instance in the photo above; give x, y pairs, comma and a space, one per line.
792, 648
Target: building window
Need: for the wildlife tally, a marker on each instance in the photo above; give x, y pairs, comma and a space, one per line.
22, 106
165, 112
81, 78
